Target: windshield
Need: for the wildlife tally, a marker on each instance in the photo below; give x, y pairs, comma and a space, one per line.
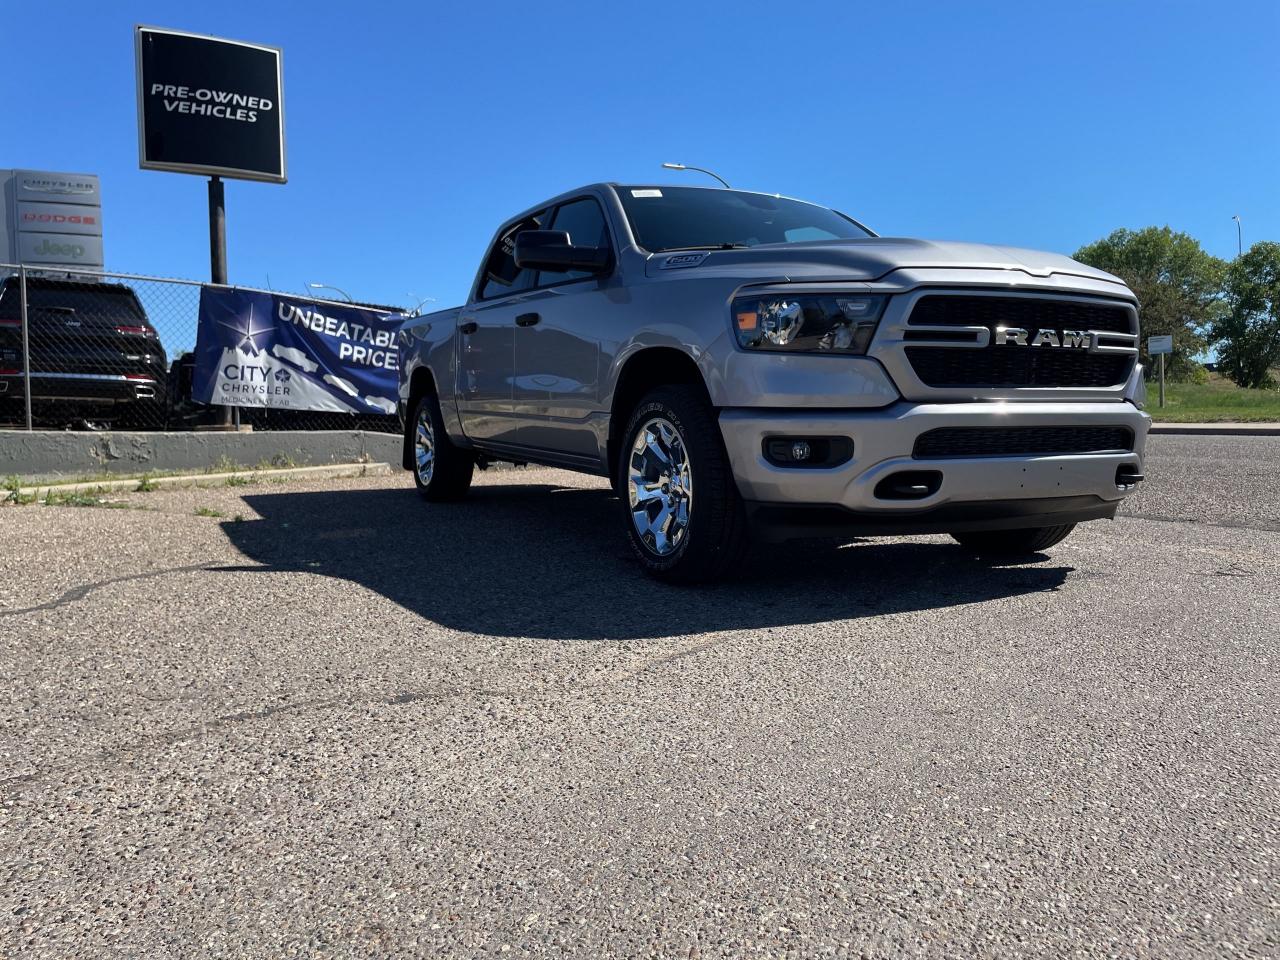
680, 218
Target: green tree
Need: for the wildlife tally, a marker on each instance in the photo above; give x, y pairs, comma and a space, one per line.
1248, 335
1178, 285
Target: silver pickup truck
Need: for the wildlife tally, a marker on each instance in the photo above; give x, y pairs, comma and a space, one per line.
744, 364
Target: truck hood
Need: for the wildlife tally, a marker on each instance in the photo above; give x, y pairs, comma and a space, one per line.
867, 260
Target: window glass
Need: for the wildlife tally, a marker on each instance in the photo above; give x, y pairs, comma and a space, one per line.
675, 218
583, 220
801, 234
501, 275
92, 300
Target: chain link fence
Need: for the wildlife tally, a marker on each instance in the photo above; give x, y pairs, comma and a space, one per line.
87, 350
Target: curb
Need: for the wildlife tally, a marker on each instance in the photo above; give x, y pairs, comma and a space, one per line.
1218, 429
328, 472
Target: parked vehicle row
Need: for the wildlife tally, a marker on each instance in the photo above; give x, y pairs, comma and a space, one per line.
95, 356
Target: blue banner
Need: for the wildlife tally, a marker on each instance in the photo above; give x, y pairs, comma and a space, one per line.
257, 349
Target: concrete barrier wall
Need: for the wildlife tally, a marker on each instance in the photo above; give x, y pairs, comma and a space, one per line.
46, 455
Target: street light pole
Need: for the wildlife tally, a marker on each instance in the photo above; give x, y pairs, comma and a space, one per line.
417, 311
681, 166
1239, 236
325, 286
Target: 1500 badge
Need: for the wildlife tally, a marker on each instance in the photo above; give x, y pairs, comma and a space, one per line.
683, 260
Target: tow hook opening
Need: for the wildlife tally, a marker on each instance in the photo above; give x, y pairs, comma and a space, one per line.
909, 485
1128, 475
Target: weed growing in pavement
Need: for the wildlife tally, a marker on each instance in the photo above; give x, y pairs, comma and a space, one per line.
238, 518
63, 498
13, 492
146, 483
206, 512
239, 480
223, 464
281, 461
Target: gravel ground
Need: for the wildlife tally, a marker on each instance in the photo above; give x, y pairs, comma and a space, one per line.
335, 721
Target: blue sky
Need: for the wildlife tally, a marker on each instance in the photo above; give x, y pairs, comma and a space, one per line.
413, 128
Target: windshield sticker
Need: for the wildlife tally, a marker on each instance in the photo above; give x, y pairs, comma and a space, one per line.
646, 193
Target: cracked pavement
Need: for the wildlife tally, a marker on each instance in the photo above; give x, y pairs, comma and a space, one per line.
334, 721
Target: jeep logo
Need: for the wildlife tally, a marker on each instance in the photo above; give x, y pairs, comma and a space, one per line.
1071, 339
51, 248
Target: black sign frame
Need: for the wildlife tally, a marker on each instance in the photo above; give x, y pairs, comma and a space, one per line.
257, 172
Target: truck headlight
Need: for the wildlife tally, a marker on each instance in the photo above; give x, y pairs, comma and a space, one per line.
808, 323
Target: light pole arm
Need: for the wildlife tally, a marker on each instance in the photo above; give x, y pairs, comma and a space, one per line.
709, 173
328, 286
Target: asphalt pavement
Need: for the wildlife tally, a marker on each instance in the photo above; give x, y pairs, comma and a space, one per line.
326, 719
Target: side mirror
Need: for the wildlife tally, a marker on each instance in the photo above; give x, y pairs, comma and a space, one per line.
552, 250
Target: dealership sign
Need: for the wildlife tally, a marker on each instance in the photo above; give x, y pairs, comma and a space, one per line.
209, 106
257, 349
51, 219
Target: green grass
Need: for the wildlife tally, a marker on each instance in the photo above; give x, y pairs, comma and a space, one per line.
279, 462
206, 512
63, 498
1218, 401
223, 464
13, 492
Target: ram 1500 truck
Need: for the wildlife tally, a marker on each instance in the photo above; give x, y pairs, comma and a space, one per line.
741, 363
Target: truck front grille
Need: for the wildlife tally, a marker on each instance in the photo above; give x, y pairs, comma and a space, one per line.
968, 442
957, 353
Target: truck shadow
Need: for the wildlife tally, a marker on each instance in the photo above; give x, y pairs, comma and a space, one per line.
552, 562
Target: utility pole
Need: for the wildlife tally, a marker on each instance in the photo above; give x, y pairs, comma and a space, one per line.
1239, 236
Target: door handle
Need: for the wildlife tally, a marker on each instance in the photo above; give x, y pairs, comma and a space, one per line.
469, 326
527, 319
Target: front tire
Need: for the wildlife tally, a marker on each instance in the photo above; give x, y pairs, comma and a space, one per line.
441, 470
683, 515
1013, 543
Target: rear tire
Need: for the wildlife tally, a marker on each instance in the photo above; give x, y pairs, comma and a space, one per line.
441, 470
683, 515
1013, 543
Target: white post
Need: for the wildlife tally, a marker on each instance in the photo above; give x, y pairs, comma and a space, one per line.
1162, 381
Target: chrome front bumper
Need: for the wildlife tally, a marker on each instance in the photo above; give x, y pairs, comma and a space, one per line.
883, 441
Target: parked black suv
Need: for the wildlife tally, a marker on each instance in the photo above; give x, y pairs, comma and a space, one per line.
95, 357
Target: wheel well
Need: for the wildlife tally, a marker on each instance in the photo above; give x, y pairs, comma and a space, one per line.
649, 368
421, 384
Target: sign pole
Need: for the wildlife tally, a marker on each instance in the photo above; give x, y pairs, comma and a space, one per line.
1162, 381
218, 255
217, 232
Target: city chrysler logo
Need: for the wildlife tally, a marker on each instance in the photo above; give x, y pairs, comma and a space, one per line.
1069, 339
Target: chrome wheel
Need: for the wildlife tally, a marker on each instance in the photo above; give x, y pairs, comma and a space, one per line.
424, 445
660, 486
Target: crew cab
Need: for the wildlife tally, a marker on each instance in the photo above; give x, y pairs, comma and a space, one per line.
743, 364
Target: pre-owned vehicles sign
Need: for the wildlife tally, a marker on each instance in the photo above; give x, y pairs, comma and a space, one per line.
209, 106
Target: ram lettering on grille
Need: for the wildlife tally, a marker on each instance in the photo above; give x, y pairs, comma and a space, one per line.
1071, 339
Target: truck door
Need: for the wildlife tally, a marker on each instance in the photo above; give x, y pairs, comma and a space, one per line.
556, 395
486, 344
